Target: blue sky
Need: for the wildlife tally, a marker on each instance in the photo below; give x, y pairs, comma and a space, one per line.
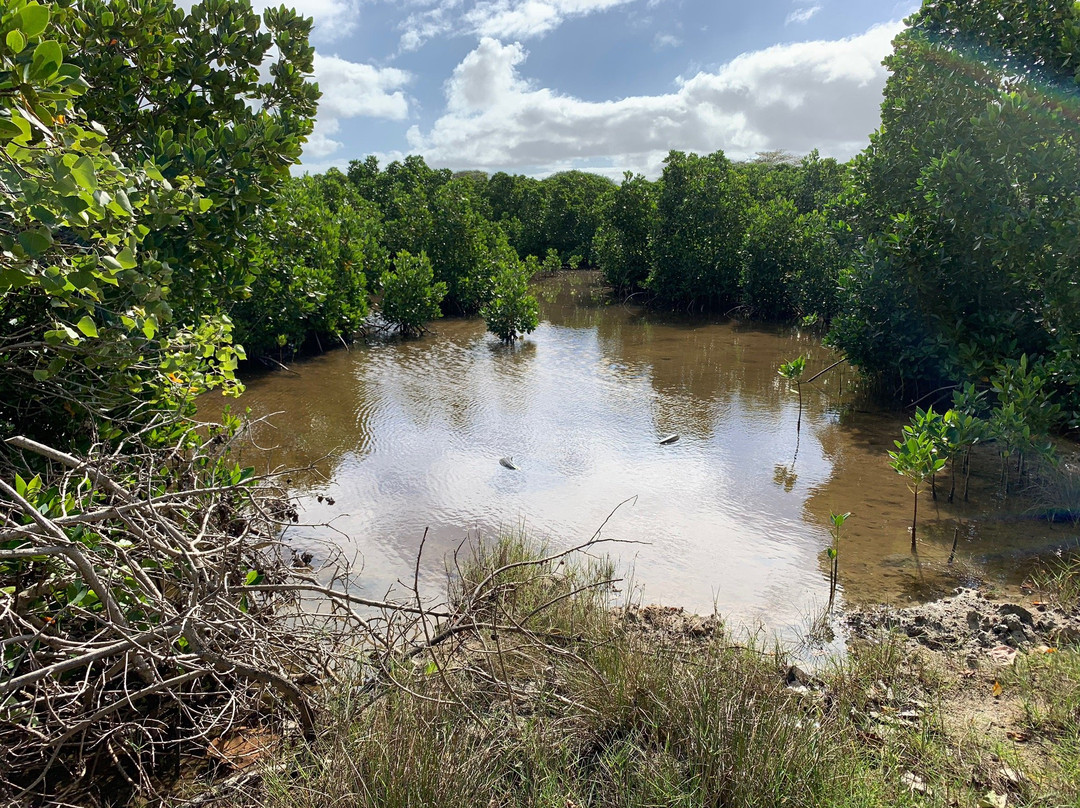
536, 86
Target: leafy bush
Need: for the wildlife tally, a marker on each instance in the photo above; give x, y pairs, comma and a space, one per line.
314, 251
512, 311
701, 218
100, 234
410, 295
966, 197
621, 246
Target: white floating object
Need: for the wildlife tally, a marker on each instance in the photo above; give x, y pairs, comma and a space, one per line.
669, 439
508, 462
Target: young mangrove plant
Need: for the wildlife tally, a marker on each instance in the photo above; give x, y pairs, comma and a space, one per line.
932, 424
916, 458
962, 430
410, 294
833, 552
1025, 415
793, 372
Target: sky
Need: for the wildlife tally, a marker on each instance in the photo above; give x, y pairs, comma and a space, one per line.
538, 86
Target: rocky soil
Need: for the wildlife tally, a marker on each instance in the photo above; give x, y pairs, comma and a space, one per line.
972, 626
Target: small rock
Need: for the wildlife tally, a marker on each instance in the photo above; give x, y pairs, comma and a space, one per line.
1012, 775
994, 800
1013, 610
796, 676
1018, 638
915, 783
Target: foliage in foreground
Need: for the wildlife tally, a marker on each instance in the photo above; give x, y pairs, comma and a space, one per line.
125, 198
147, 607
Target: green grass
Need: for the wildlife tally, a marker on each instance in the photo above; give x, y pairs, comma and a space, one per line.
558, 701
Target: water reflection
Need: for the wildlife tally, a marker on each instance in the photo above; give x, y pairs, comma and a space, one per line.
406, 436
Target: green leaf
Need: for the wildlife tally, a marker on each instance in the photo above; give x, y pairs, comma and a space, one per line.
48, 56
8, 129
16, 41
87, 326
35, 242
33, 19
126, 259
84, 174
123, 201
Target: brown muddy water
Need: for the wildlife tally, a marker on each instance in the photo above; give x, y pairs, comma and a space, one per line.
406, 436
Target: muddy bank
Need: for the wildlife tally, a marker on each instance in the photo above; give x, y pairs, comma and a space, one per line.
971, 626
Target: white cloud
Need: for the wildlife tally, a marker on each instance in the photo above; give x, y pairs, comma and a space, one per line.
499, 19
801, 15
421, 26
821, 94
352, 90
505, 19
666, 41
485, 77
319, 143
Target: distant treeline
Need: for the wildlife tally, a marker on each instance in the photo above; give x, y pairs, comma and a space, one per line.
150, 229
928, 266
709, 234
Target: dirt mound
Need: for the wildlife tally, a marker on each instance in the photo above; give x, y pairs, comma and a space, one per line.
971, 623
670, 621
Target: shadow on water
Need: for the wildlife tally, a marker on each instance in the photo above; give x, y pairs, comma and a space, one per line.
408, 435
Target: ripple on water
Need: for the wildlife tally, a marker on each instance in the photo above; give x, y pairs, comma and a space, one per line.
407, 436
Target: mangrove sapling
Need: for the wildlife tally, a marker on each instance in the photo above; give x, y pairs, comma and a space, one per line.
1026, 412
833, 552
916, 458
962, 432
793, 372
1008, 429
970, 425
933, 425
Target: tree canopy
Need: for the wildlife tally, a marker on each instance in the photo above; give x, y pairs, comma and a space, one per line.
964, 202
